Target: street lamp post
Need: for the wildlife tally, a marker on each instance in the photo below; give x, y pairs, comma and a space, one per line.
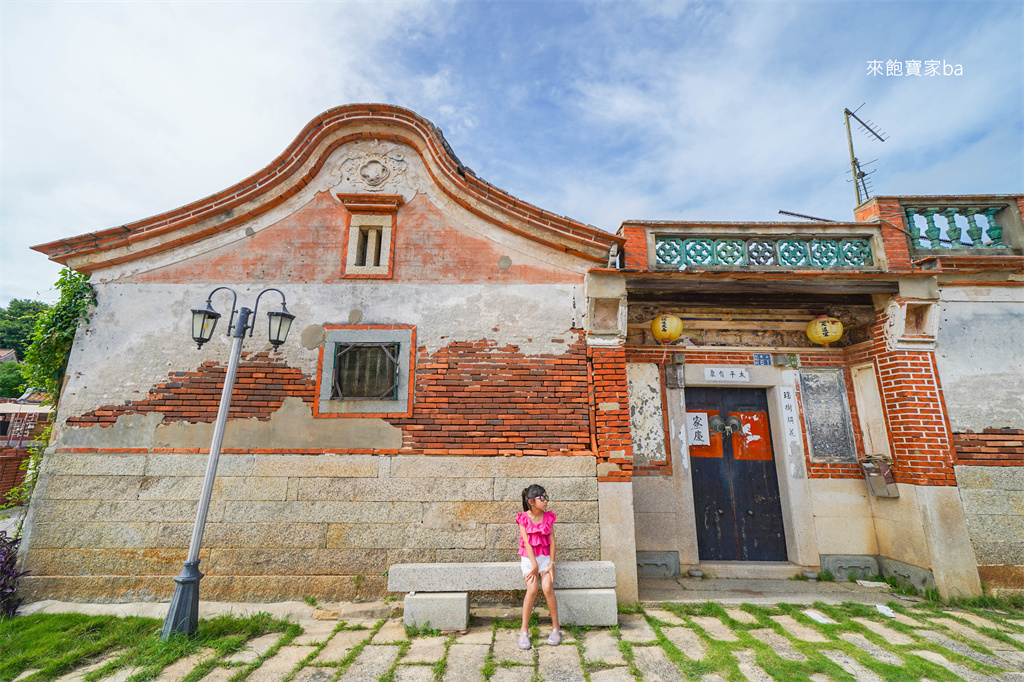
183, 614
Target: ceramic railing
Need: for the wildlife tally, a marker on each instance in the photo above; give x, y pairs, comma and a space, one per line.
955, 227
762, 252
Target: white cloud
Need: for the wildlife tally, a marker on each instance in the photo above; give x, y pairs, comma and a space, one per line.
114, 112
603, 111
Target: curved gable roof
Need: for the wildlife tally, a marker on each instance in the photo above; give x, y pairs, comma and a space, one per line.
286, 175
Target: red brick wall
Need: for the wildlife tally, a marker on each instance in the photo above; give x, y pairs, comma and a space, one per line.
991, 447
472, 398
310, 245
11, 473
478, 398
915, 411
614, 441
894, 237
635, 247
261, 385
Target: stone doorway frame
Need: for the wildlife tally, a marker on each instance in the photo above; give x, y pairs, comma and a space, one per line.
790, 462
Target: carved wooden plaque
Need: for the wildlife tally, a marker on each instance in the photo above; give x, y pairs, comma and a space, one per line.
827, 415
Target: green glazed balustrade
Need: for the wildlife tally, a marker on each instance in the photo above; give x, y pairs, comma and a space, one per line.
763, 252
954, 227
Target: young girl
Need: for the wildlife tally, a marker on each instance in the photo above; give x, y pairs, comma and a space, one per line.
537, 549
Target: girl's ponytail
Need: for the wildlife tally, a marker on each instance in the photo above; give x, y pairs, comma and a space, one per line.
526, 506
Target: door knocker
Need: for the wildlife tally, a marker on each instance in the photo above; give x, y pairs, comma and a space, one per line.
726, 427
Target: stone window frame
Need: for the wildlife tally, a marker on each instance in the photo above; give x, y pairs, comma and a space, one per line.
370, 211
917, 333
404, 335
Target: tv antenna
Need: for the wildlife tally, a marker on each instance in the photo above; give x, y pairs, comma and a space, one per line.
861, 181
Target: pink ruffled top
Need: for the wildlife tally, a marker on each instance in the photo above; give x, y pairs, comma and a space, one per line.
538, 534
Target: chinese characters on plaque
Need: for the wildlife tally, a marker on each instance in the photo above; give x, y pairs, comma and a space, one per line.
697, 428
727, 373
789, 420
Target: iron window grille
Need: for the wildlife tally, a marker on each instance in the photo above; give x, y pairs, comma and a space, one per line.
366, 371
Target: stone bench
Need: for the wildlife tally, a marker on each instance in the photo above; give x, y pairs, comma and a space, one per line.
438, 594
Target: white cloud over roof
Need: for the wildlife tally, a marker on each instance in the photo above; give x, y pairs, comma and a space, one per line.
602, 111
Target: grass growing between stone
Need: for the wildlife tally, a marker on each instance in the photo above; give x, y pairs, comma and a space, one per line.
691, 669
389, 676
442, 665
55, 644
912, 667
344, 663
290, 633
849, 644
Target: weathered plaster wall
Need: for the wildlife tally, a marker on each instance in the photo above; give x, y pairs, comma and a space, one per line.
290, 427
646, 416
926, 527
457, 277
977, 349
138, 333
115, 526
981, 365
312, 217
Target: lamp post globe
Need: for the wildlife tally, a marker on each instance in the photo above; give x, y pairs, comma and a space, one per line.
204, 321
280, 323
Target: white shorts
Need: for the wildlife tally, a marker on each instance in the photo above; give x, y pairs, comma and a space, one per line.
543, 561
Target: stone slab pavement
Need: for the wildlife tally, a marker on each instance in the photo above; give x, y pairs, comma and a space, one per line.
776, 635
749, 591
9, 519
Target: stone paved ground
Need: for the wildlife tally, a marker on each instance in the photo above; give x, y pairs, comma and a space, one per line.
666, 642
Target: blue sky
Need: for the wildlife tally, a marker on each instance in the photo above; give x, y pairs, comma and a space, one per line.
602, 111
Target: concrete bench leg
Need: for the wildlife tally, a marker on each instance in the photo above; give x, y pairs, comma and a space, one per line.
587, 607
438, 610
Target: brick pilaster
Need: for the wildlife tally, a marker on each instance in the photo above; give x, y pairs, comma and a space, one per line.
611, 399
635, 247
894, 234
919, 431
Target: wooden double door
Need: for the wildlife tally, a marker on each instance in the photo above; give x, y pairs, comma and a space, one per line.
735, 485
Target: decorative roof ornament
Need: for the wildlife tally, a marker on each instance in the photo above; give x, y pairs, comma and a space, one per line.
373, 169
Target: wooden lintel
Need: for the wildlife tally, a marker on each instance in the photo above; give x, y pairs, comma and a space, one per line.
732, 324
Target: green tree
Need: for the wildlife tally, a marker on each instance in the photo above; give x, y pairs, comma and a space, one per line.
46, 361
16, 323
12, 381
47, 358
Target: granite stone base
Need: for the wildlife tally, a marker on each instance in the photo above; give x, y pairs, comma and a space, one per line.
437, 610
489, 576
842, 566
597, 607
921, 578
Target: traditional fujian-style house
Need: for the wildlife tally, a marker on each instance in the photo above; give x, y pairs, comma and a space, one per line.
453, 343
890, 450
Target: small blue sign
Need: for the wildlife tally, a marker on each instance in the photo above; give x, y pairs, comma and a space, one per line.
763, 359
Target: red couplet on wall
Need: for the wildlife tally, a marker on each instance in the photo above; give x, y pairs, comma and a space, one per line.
714, 448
